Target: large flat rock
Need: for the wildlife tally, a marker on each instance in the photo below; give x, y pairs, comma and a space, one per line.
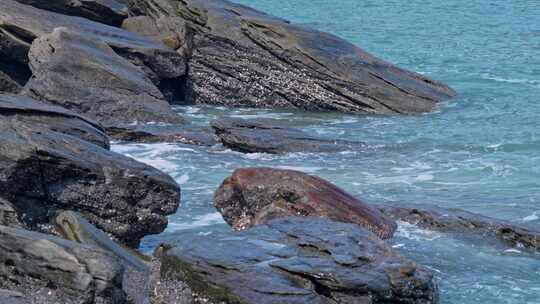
109, 12
20, 24
252, 196
294, 260
266, 136
48, 162
242, 57
48, 269
88, 77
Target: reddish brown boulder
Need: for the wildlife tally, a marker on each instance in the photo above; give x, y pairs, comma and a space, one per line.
253, 196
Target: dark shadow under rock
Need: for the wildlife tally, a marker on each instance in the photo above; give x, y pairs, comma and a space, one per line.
185, 134
295, 260
109, 12
467, 223
48, 269
243, 57
44, 168
252, 196
266, 136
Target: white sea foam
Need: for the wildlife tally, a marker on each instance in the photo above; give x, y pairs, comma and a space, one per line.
183, 179
301, 169
413, 232
534, 83
532, 217
199, 221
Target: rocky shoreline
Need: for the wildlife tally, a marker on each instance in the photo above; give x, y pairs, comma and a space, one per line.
75, 75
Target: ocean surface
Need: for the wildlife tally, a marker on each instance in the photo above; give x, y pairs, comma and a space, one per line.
479, 152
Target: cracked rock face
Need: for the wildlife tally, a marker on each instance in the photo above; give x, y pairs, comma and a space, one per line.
109, 12
242, 57
90, 78
296, 260
46, 164
458, 221
20, 24
264, 136
48, 269
252, 196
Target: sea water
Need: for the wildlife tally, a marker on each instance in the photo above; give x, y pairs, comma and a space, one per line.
479, 152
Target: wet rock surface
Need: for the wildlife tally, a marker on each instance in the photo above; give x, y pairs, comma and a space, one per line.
252, 196
242, 57
43, 169
466, 223
296, 260
185, 134
20, 24
266, 136
47, 269
109, 12
90, 78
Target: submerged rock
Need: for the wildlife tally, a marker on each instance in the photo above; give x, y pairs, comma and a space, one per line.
20, 24
295, 260
44, 169
48, 269
253, 196
110, 12
162, 133
242, 57
88, 77
266, 136
464, 222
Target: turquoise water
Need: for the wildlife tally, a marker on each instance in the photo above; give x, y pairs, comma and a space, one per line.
479, 152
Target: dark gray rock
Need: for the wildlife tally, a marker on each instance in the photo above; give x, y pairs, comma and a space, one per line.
13, 75
252, 196
110, 12
44, 117
88, 77
32, 262
267, 136
43, 169
12, 297
242, 57
136, 281
296, 260
20, 24
162, 133
7, 84
466, 223
8, 215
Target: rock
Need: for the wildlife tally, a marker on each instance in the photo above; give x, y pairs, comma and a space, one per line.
74, 227
8, 215
7, 84
296, 260
266, 136
462, 222
253, 196
162, 133
44, 117
12, 297
20, 24
242, 57
136, 282
47, 169
72, 273
171, 31
13, 76
88, 77
110, 12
